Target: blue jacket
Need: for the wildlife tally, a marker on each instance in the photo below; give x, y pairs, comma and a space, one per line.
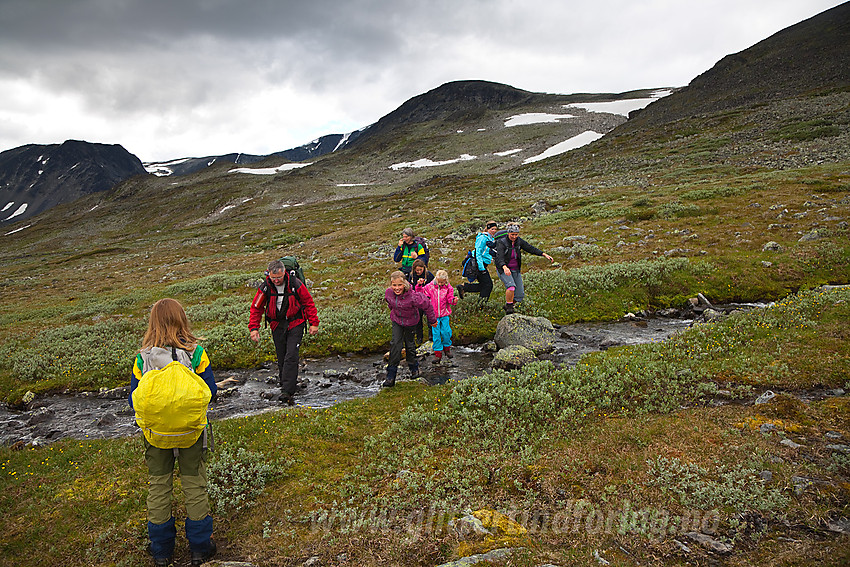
482, 251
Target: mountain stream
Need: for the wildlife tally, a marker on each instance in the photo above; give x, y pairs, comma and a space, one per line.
323, 383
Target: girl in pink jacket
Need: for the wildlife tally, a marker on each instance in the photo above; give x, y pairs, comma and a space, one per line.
442, 296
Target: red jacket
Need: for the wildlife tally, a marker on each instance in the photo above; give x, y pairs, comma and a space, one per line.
295, 315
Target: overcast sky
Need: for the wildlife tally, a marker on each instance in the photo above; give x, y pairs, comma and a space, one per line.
190, 78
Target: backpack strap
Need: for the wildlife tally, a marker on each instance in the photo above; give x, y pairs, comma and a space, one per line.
196, 356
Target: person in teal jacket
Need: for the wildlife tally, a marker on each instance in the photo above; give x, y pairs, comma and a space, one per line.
483, 255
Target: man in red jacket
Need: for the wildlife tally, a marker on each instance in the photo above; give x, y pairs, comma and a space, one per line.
288, 306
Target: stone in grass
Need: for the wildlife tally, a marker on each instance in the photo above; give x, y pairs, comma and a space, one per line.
513, 357
709, 542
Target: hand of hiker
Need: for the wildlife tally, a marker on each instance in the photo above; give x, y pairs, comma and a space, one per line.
548, 257
255, 336
507, 270
313, 329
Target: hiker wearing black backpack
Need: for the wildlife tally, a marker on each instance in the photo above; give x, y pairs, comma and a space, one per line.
410, 247
171, 386
482, 256
288, 307
507, 255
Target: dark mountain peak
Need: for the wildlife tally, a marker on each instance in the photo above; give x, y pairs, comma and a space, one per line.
458, 96
811, 56
34, 177
455, 101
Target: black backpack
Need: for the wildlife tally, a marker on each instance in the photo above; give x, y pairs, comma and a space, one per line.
500, 234
470, 266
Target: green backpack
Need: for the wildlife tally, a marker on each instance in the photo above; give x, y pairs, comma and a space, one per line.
293, 267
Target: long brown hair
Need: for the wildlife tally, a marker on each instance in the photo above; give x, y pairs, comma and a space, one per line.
169, 326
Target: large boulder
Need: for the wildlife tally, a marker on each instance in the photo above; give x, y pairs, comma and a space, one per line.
534, 333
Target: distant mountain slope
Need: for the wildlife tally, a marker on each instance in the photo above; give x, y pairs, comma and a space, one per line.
813, 54
316, 148
34, 178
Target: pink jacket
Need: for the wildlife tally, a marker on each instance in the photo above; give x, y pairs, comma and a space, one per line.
442, 298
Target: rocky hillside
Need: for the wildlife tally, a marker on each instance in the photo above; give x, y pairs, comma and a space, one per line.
810, 57
34, 178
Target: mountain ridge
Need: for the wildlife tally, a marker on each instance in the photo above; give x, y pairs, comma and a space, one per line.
36, 177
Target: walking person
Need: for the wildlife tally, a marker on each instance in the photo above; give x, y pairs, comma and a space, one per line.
171, 386
507, 255
408, 250
442, 296
483, 256
288, 307
404, 304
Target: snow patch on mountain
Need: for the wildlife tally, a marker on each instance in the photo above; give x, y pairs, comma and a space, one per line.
621, 107
429, 163
535, 118
570, 144
20, 210
270, 170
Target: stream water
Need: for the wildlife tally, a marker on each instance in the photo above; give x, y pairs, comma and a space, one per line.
324, 382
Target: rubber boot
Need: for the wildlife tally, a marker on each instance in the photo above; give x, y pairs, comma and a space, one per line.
447, 350
391, 374
438, 356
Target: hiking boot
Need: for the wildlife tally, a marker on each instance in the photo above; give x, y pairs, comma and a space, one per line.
509, 308
201, 557
414, 373
461, 291
392, 371
159, 561
286, 399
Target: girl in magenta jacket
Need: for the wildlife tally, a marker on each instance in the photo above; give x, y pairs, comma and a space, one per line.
404, 304
442, 296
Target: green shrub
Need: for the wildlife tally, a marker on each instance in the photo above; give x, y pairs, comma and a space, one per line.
237, 478
211, 284
735, 487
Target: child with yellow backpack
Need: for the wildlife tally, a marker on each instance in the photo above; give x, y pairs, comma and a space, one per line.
171, 387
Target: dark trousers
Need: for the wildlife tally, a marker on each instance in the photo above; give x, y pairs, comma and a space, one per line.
403, 338
484, 285
286, 345
423, 322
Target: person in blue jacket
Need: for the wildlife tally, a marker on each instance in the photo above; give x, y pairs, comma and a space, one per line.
483, 255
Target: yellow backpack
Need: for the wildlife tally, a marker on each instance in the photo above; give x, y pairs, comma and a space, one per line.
171, 402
